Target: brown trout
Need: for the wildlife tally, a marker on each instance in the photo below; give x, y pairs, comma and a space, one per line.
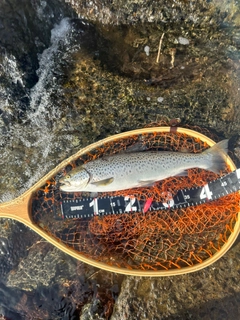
138, 169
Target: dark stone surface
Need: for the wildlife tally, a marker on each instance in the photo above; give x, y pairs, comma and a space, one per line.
212, 293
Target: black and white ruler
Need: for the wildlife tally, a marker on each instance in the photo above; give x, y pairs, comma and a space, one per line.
90, 207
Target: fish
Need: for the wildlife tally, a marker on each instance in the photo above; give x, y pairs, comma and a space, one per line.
140, 169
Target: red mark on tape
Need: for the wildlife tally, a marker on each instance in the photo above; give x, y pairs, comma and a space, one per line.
147, 205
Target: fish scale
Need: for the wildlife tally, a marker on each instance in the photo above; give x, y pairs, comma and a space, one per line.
138, 169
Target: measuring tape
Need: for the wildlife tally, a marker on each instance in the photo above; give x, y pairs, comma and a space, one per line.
102, 206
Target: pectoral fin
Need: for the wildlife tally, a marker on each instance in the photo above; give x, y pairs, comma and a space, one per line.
103, 182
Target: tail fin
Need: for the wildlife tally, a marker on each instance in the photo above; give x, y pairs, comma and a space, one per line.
217, 156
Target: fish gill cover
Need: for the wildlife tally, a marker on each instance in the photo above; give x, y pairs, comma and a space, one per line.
155, 240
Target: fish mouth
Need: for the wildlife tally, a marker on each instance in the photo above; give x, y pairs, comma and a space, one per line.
64, 184
67, 187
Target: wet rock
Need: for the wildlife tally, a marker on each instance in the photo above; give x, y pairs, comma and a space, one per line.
90, 311
200, 89
199, 295
131, 11
11, 249
39, 267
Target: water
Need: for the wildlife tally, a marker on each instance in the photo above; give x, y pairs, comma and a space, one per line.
41, 104
36, 131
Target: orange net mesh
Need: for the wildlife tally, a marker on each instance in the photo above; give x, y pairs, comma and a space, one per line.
155, 240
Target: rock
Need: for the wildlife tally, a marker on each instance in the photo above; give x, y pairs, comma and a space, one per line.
132, 11
198, 295
39, 267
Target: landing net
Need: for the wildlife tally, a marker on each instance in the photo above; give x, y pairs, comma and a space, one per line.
155, 240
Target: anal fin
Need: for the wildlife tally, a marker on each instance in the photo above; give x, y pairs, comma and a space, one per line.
182, 174
146, 183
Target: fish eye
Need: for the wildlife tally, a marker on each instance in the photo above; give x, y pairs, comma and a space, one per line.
68, 176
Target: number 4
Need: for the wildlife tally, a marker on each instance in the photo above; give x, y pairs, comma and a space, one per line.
206, 193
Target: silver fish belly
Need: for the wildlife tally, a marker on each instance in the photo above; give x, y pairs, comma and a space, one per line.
138, 169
